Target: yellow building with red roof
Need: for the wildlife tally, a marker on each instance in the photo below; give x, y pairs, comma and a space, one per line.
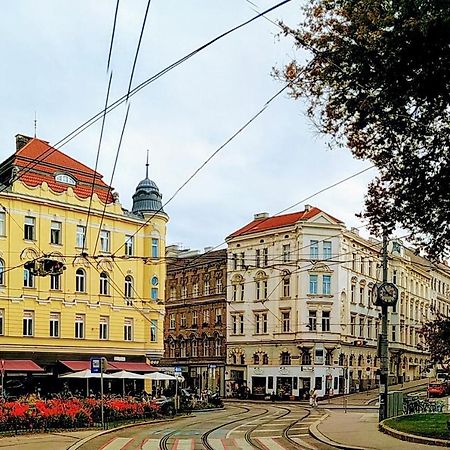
109, 299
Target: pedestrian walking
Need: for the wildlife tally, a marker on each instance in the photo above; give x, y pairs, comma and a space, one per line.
313, 398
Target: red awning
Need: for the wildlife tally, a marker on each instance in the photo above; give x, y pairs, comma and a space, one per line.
77, 365
133, 366
20, 365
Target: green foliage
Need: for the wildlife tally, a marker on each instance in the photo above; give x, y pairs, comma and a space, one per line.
377, 81
437, 340
429, 425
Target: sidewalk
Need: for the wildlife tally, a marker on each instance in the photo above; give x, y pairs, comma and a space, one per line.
360, 430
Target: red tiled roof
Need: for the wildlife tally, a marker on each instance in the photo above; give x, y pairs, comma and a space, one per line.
52, 162
280, 221
20, 365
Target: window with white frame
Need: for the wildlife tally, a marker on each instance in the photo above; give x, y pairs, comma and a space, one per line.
237, 323
182, 348
105, 244
183, 320
286, 285
54, 324
261, 323
194, 318
184, 291
154, 293
242, 260
314, 249
128, 329
353, 324
286, 321
234, 261
206, 317
29, 230
352, 293
218, 316
28, 279
326, 284
369, 328
128, 287
155, 248
171, 349
313, 284
2, 224
217, 347
206, 347
104, 284
66, 179
129, 245
241, 323
361, 327
195, 290
219, 286
172, 321
206, 287
153, 330
55, 282
312, 320
361, 294
327, 250
79, 326
194, 346
55, 232
81, 236
258, 258
265, 256
325, 320
2, 272
103, 328
80, 280
286, 252
28, 325
2, 322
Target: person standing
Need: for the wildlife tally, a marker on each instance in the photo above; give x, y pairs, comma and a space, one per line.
314, 396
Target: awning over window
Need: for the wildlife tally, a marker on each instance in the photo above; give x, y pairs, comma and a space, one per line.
76, 366
20, 365
133, 366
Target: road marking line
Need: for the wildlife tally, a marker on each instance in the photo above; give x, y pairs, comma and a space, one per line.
270, 443
183, 444
150, 444
217, 444
117, 443
242, 444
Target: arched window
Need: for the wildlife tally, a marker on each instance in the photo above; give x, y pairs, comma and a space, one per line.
306, 358
285, 359
256, 359
2, 274
360, 360
234, 358
80, 280
128, 290
104, 284
265, 359
329, 358
352, 360
242, 359
342, 359
206, 347
218, 347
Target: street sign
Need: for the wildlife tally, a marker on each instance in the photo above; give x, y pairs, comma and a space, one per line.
212, 366
96, 365
177, 369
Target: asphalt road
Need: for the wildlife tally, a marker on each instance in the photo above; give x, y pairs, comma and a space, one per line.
241, 426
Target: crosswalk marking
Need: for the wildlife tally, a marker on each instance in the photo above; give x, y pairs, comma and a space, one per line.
270, 444
242, 444
150, 444
184, 444
117, 443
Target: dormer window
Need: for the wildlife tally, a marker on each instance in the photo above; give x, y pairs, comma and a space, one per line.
64, 178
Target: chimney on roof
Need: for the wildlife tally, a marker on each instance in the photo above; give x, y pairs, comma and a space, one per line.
308, 208
21, 141
263, 215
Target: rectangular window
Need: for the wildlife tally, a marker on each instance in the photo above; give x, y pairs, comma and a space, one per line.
183, 320
153, 329
286, 252
353, 325
286, 286
241, 323
105, 244
195, 290
219, 286
327, 250
234, 260
206, 316
30, 229
286, 319
28, 279
313, 284
234, 324
129, 245
363, 265
128, 330
361, 327
155, 248
325, 320
206, 287
326, 284
261, 323
194, 318
258, 258
28, 326
314, 249
369, 328
394, 334
103, 328
172, 321
194, 348
56, 233
54, 324
312, 320
354, 261
2, 322
55, 282
218, 316
81, 236
265, 257
352, 293
2, 224
79, 326
154, 294
242, 260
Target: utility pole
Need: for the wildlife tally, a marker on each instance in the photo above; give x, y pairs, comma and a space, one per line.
384, 351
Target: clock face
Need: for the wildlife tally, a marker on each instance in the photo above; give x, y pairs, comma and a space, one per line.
388, 294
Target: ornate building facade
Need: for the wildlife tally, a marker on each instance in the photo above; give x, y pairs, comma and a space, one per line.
301, 312
195, 322
109, 300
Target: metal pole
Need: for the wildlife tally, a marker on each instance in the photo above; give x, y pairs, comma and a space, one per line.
384, 352
176, 394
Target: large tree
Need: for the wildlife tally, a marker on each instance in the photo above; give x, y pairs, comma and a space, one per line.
377, 81
437, 341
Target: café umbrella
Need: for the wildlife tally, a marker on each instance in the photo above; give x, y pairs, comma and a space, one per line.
125, 375
86, 374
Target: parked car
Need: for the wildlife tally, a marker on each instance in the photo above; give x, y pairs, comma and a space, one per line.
437, 389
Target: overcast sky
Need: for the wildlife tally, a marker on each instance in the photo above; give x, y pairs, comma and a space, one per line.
53, 61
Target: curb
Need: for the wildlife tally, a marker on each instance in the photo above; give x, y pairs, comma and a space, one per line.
83, 441
315, 433
412, 437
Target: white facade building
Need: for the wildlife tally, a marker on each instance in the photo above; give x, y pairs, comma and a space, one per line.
300, 309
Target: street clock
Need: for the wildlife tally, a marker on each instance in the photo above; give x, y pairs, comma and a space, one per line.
385, 294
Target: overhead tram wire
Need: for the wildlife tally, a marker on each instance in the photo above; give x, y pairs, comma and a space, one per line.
88, 123
239, 131
138, 48
112, 36
96, 160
